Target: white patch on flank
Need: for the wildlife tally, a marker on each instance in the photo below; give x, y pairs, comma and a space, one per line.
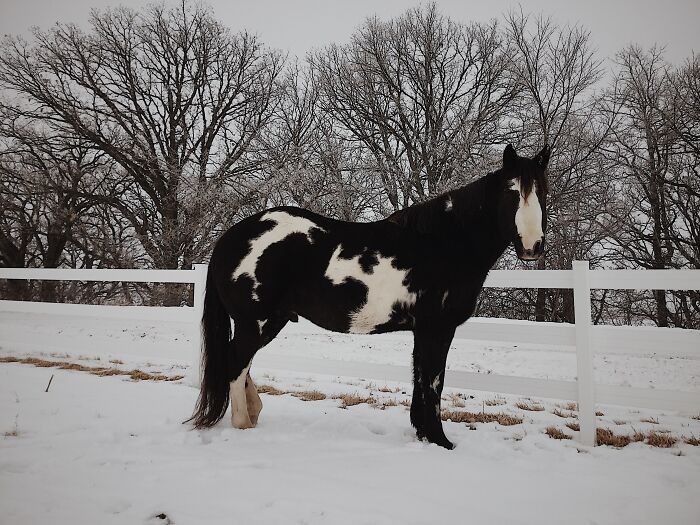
448, 204
385, 288
285, 226
444, 297
260, 325
528, 218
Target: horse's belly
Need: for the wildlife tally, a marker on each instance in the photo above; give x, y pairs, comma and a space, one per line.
386, 289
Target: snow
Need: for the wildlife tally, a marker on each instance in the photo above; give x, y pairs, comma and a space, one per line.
112, 450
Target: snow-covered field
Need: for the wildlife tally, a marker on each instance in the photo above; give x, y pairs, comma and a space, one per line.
113, 450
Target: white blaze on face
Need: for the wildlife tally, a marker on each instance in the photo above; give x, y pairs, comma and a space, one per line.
285, 226
528, 218
385, 287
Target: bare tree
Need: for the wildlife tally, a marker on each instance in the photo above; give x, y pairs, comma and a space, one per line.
557, 69
659, 203
170, 95
424, 95
50, 183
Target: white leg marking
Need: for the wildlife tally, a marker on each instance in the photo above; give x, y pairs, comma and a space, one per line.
528, 218
385, 288
285, 225
253, 400
436, 383
239, 405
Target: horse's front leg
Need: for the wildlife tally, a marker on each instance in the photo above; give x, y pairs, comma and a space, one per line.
253, 401
429, 359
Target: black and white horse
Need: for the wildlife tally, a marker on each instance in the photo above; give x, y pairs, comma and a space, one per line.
421, 269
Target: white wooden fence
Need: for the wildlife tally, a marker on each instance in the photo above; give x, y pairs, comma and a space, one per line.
582, 337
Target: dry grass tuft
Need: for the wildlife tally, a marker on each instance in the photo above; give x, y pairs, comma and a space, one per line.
656, 439
692, 440
605, 436
11, 433
350, 400
405, 402
496, 401
566, 415
569, 406
650, 420
310, 395
270, 390
136, 375
386, 390
462, 416
599, 413
535, 407
573, 425
555, 433
619, 421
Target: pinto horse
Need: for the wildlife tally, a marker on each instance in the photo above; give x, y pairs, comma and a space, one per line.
421, 269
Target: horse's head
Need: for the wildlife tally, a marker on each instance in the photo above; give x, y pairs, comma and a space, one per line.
521, 210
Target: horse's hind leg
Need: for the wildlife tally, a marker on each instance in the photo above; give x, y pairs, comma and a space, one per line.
253, 401
246, 341
249, 337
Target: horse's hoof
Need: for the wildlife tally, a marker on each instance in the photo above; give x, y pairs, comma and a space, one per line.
242, 425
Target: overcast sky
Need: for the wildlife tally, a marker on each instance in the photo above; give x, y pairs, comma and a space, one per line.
300, 25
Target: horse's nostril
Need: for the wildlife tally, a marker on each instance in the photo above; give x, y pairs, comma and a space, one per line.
537, 247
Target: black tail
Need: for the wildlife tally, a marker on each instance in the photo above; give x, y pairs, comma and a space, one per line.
216, 334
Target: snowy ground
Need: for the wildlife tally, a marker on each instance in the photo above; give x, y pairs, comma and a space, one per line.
112, 450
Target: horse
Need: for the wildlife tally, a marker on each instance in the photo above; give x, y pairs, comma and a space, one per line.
420, 269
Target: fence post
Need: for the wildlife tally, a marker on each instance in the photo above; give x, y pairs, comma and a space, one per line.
584, 354
200, 284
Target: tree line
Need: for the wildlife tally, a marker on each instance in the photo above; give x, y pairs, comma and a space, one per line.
137, 141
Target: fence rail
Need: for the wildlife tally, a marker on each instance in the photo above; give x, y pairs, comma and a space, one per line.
581, 337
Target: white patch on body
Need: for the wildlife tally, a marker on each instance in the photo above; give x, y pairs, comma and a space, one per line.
444, 298
285, 226
385, 287
448, 204
528, 218
436, 383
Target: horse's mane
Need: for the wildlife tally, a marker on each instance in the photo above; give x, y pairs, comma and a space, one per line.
427, 216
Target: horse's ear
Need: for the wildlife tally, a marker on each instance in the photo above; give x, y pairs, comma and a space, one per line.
509, 157
542, 158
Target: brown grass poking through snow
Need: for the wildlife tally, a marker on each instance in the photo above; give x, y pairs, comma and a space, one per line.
310, 395
619, 421
692, 440
573, 425
569, 406
555, 433
496, 401
599, 413
650, 420
462, 416
657, 439
566, 415
605, 436
535, 407
270, 390
136, 375
350, 400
